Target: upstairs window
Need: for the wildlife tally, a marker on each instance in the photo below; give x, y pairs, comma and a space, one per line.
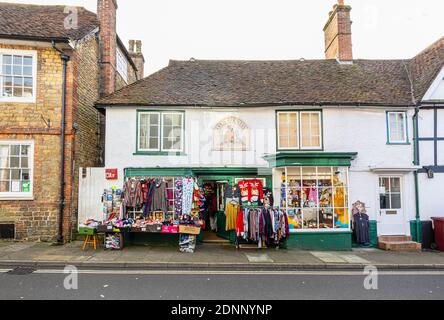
17, 76
122, 65
397, 127
160, 131
299, 130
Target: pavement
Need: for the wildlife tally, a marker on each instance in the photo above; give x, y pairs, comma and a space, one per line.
40, 255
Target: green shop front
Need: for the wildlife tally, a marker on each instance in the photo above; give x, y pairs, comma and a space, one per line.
221, 179
313, 188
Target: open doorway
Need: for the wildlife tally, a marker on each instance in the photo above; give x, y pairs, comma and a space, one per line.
214, 211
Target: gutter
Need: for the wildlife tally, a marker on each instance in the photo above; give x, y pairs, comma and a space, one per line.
65, 58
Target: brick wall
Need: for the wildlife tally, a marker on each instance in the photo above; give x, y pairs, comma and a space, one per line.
40, 121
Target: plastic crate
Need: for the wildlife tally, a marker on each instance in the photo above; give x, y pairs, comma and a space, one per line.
87, 231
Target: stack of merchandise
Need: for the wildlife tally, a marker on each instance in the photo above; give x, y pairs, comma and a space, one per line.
89, 223
113, 241
187, 243
112, 203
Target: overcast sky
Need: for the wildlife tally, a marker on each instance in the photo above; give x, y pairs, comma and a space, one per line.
269, 29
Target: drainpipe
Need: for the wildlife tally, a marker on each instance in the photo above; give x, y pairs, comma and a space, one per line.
416, 163
65, 58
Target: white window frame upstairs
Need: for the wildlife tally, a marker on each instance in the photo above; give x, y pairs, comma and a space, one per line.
31, 53
159, 136
182, 131
389, 128
299, 130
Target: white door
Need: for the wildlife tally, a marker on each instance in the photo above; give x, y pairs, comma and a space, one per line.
391, 214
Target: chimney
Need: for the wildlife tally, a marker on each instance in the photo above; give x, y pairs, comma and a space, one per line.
135, 51
106, 12
338, 37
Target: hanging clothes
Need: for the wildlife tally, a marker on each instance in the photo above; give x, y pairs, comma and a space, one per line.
187, 195
361, 228
132, 190
231, 212
178, 193
159, 201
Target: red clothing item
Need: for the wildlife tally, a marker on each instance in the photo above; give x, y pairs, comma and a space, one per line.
251, 190
240, 223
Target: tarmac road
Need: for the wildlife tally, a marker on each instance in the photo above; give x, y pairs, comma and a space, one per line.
215, 285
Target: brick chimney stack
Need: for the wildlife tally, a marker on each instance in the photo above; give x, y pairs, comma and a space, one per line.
135, 51
107, 14
338, 36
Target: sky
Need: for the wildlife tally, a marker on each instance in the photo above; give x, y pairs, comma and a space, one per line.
268, 29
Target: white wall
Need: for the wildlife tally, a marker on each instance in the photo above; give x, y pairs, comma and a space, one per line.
430, 196
345, 130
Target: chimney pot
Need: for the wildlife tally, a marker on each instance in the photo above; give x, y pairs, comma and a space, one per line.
131, 46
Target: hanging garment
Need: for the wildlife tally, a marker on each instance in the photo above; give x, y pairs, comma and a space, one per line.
361, 228
132, 190
231, 212
313, 195
159, 201
178, 192
256, 191
254, 225
243, 187
240, 224
187, 195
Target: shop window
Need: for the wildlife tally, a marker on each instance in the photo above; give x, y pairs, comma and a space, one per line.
161, 131
17, 76
316, 198
298, 130
397, 127
16, 169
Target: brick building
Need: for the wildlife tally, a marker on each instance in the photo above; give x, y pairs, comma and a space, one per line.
55, 62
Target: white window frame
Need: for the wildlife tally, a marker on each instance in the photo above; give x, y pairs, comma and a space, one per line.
32, 53
22, 195
161, 131
158, 132
299, 131
401, 191
182, 131
122, 64
279, 130
389, 131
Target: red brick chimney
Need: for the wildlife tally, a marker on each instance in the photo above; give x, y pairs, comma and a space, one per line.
338, 36
135, 51
106, 12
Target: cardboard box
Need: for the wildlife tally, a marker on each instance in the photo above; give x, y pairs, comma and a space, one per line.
189, 229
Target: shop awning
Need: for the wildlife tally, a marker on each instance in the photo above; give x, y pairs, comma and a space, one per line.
310, 159
196, 171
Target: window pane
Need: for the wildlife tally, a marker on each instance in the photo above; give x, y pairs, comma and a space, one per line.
384, 201
149, 131
7, 59
25, 175
15, 174
310, 130
6, 70
7, 92
4, 186
15, 150
27, 61
18, 92
167, 120
18, 82
4, 175
18, 60
27, 92
395, 185
8, 81
288, 130
395, 201
27, 82
17, 70
25, 162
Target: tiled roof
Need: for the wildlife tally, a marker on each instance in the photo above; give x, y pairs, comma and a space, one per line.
424, 68
240, 83
27, 21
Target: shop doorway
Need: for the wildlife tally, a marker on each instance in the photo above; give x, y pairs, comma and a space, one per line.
391, 211
214, 213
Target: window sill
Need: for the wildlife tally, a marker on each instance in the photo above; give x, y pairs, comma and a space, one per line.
398, 143
12, 198
159, 153
18, 100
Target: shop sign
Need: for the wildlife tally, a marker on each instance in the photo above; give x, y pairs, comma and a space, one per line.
26, 186
111, 174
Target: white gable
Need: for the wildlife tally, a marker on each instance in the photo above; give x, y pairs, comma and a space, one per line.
436, 90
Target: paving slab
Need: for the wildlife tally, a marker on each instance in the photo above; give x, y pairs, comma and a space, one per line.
259, 258
328, 257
